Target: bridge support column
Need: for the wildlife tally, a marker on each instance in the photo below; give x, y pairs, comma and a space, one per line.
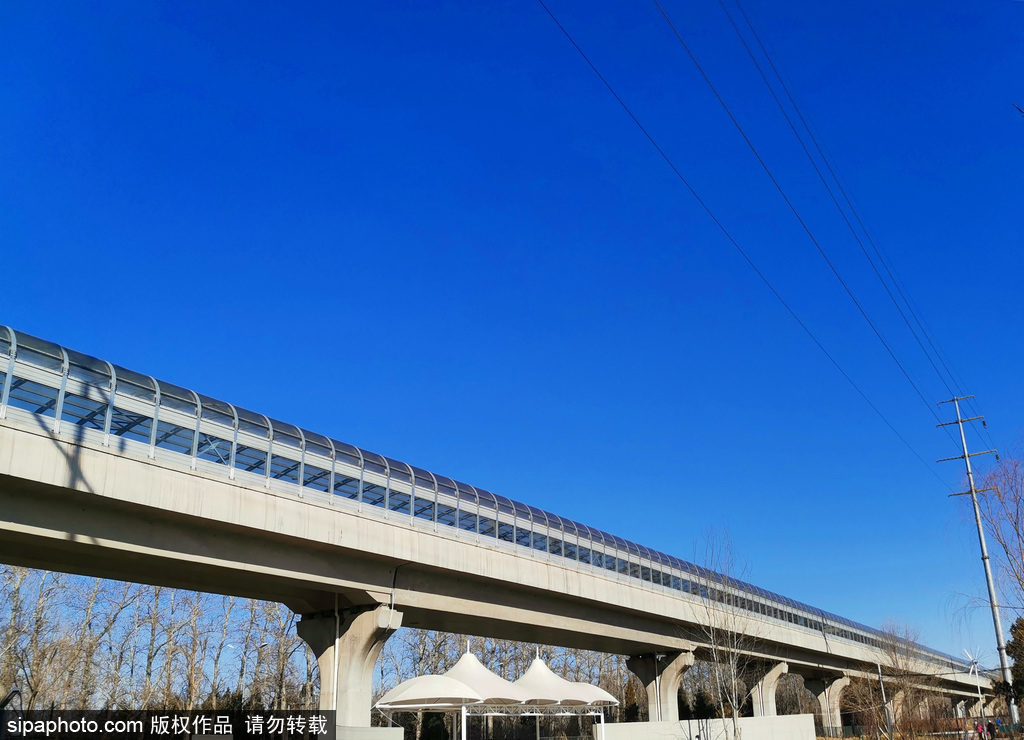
346, 645
662, 675
974, 709
762, 698
829, 692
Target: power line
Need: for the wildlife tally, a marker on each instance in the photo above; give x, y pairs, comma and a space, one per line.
835, 177
732, 240
796, 213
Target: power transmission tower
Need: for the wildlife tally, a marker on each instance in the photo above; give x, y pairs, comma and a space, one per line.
1004, 663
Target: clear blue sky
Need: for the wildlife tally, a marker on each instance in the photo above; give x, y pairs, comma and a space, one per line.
429, 230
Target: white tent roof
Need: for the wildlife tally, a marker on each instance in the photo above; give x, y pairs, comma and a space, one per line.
426, 692
468, 683
545, 687
598, 696
493, 688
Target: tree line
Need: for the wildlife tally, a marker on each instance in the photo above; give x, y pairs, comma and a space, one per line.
71, 642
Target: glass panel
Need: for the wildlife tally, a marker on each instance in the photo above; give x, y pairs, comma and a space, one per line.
39, 352
399, 502
213, 449
32, 396
177, 398
373, 461
344, 457
284, 438
136, 385
319, 440
88, 369
486, 527
176, 438
400, 471
506, 532
540, 542
645, 573
347, 487
252, 459
283, 427
316, 478
424, 509
523, 537
555, 546
373, 494
446, 515
467, 521
5, 341
283, 468
131, 425
252, 423
466, 493
623, 567
584, 555
313, 446
217, 411
486, 498
656, 577
83, 412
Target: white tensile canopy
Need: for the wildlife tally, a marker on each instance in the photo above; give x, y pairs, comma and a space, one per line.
547, 688
470, 688
429, 692
494, 689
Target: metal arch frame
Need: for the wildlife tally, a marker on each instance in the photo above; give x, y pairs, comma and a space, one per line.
12, 351
157, 397
479, 507
412, 486
387, 487
234, 440
530, 523
199, 421
362, 469
330, 476
108, 417
458, 500
437, 498
270, 459
302, 460
270, 450
65, 367
476, 512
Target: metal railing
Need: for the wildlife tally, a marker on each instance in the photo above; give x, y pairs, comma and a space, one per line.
90, 400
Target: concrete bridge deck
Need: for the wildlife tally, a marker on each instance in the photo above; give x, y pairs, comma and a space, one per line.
107, 472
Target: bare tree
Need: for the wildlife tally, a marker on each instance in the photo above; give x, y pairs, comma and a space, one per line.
730, 634
1002, 511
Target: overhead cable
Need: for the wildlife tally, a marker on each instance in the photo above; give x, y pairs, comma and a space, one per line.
707, 209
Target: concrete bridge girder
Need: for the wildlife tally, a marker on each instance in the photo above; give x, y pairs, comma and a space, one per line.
83, 508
